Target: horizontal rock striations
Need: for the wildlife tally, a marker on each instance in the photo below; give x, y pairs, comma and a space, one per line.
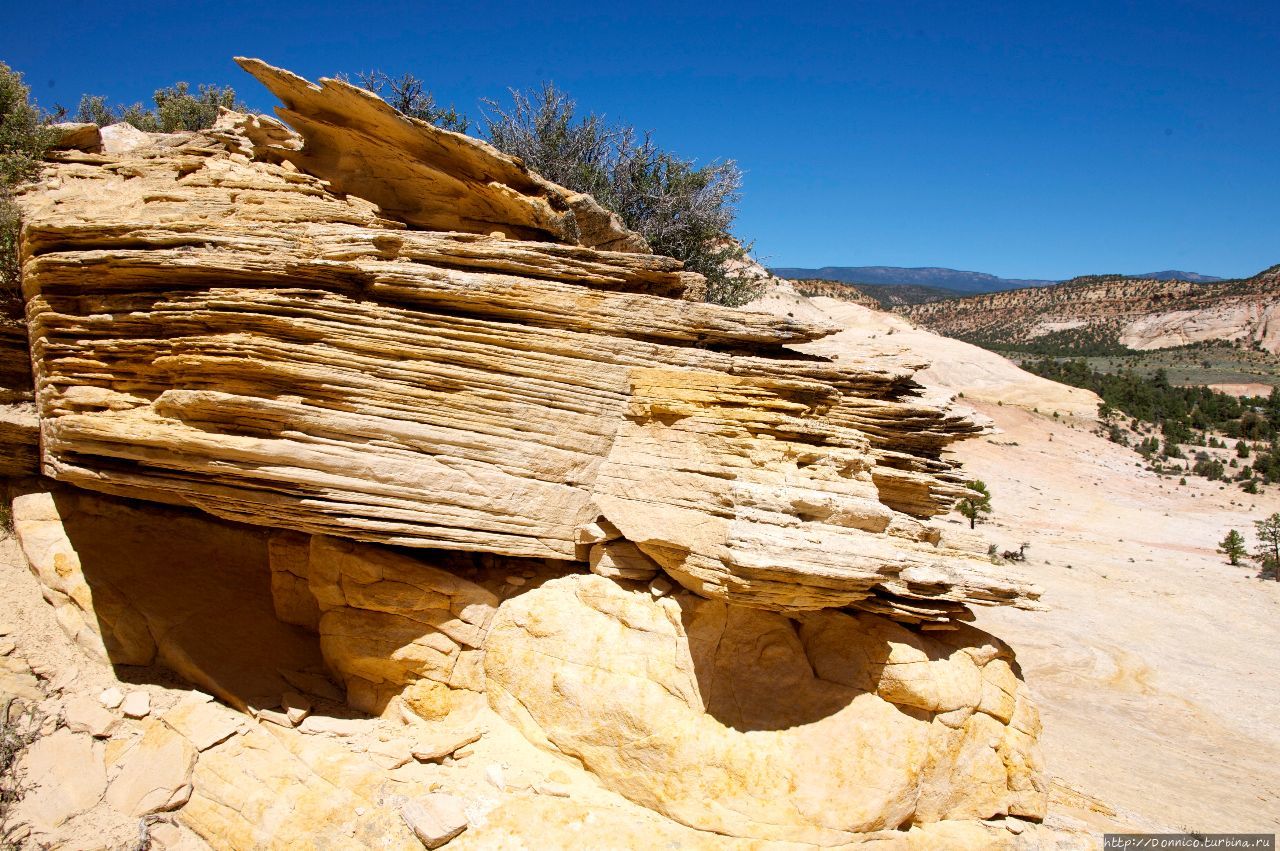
379, 330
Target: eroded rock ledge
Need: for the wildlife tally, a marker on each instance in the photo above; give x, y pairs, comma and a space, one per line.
245, 321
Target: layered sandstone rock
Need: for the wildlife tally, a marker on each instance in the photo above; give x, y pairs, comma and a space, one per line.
254, 323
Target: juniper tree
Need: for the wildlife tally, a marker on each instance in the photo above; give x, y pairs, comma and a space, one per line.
1267, 553
975, 503
1232, 546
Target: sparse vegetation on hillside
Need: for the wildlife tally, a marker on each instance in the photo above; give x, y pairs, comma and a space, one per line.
1217, 362
886, 296
1085, 316
1184, 416
815, 288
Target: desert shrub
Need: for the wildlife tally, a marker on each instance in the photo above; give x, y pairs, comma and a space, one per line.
18, 729
176, 108
409, 96
1210, 468
684, 210
24, 137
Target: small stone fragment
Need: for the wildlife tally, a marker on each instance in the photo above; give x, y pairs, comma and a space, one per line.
493, 773
516, 580
63, 679
274, 717
439, 745
661, 586
111, 698
7, 628
597, 533
203, 722
137, 704
321, 725
7, 646
296, 707
83, 714
435, 818
391, 754
622, 559
553, 790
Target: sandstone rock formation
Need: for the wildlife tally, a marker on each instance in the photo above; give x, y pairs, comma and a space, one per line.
214, 326
372, 414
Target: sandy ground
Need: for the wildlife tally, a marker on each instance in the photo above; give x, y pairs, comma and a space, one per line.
1243, 389
1155, 666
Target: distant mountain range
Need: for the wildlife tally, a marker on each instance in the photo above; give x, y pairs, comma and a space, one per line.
1111, 315
954, 280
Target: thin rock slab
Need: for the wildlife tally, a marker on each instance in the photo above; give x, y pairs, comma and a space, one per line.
154, 775
436, 818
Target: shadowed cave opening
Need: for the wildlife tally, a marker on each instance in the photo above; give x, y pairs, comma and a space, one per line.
183, 599
178, 591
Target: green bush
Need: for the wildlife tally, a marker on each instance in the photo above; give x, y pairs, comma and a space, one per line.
683, 210
24, 137
176, 108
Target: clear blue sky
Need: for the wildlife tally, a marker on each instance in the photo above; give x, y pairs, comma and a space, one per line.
1023, 139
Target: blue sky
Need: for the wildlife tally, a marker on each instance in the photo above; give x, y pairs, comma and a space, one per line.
1023, 139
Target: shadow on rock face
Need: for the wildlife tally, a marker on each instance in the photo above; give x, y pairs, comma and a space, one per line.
752, 669
249, 614
144, 586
